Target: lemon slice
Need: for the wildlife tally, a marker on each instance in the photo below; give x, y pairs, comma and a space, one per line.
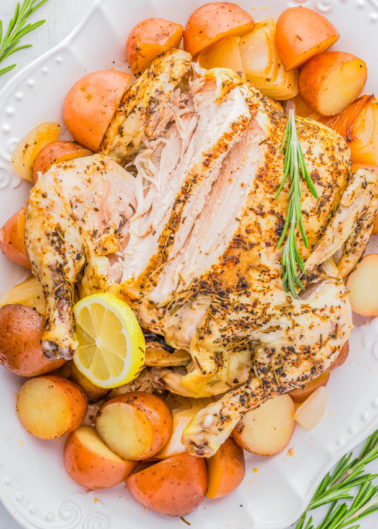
111, 343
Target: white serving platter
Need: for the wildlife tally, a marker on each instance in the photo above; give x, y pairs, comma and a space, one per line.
33, 483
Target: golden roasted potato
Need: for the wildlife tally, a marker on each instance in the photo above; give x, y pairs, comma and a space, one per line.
51, 406
226, 469
21, 330
135, 425
90, 462
12, 239
174, 487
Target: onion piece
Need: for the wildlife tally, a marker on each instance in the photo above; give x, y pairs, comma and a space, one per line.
312, 410
182, 416
225, 53
358, 125
29, 293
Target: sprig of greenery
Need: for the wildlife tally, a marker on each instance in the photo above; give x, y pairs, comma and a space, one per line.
338, 486
294, 167
17, 29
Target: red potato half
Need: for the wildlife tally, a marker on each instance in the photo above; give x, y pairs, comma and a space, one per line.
174, 487
226, 469
362, 285
90, 104
150, 38
57, 152
212, 22
331, 81
135, 425
51, 406
90, 462
12, 239
267, 430
21, 331
341, 359
300, 395
302, 33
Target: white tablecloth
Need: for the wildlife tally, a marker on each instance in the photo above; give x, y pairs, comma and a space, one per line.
61, 17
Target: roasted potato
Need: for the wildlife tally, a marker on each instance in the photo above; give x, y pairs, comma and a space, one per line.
211, 22
302, 33
267, 430
30, 146
21, 330
362, 285
50, 406
57, 152
135, 425
226, 469
12, 239
90, 462
91, 103
301, 394
150, 38
331, 81
174, 487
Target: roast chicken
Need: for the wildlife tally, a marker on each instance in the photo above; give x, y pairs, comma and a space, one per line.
186, 232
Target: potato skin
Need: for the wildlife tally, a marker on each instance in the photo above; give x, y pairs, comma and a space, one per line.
302, 33
90, 104
148, 39
315, 71
21, 330
174, 487
56, 152
300, 395
12, 239
343, 355
226, 469
156, 412
213, 21
89, 469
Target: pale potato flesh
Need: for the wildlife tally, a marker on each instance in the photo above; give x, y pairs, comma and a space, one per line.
43, 409
89, 438
267, 430
125, 430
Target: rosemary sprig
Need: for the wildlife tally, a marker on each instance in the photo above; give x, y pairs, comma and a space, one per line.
294, 167
338, 486
16, 30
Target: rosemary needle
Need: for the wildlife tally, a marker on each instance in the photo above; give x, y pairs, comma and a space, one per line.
294, 167
338, 486
17, 29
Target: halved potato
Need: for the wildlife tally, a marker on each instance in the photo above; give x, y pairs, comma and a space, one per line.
12, 239
224, 53
91, 103
267, 430
135, 425
21, 331
30, 146
226, 469
331, 81
57, 152
150, 38
50, 406
212, 22
300, 395
28, 293
362, 286
301, 34
313, 409
90, 462
174, 487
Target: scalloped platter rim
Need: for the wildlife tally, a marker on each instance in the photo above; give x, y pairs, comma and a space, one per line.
33, 484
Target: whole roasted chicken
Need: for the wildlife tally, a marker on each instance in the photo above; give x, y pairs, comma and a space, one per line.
187, 234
